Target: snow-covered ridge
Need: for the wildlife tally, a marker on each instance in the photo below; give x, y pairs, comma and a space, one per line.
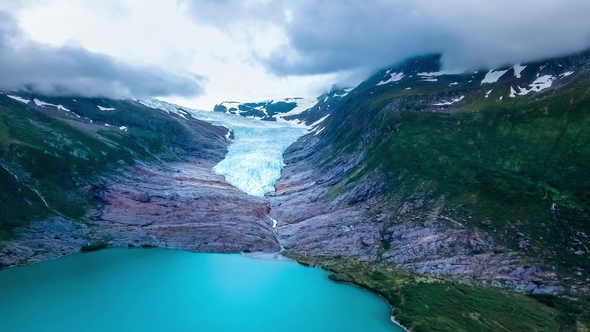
302, 106
271, 109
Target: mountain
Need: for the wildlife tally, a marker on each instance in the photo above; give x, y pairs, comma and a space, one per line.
461, 198
86, 173
479, 178
295, 110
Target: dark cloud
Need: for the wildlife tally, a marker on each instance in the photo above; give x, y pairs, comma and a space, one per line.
354, 35
70, 70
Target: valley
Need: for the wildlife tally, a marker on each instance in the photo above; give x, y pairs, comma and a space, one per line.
430, 188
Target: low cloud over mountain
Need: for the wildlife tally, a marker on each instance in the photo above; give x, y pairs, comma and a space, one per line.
335, 35
69, 70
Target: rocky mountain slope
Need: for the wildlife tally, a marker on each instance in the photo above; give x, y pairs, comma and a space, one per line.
474, 177
89, 173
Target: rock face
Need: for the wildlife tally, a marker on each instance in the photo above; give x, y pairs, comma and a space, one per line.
413, 235
184, 206
188, 208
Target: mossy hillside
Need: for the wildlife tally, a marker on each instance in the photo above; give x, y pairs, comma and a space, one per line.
424, 303
154, 130
52, 157
517, 165
64, 156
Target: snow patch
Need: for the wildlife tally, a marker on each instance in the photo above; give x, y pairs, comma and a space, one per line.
447, 103
346, 92
123, 128
302, 106
105, 108
408, 89
489, 92
566, 74
454, 83
43, 104
319, 121
512, 92
394, 78
22, 100
319, 131
540, 84
518, 68
493, 76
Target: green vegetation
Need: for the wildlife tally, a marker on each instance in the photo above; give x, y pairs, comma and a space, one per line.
428, 304
516, 168
52, 157
63, 156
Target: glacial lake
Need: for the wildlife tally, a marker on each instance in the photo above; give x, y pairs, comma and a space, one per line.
173, 290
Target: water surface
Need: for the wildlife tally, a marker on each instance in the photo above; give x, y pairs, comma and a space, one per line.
170, 290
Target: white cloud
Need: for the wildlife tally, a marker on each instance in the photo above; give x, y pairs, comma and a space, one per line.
308, 46
160, 33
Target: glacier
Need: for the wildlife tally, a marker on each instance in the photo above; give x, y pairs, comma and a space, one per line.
254, 159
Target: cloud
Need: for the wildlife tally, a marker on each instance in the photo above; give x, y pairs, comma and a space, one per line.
73, 70
351, 35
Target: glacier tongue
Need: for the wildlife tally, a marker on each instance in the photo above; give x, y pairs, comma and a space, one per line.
254, 159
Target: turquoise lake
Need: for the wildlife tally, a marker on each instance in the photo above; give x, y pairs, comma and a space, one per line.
172, 290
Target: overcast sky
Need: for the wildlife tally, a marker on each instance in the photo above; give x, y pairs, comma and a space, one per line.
201, 52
